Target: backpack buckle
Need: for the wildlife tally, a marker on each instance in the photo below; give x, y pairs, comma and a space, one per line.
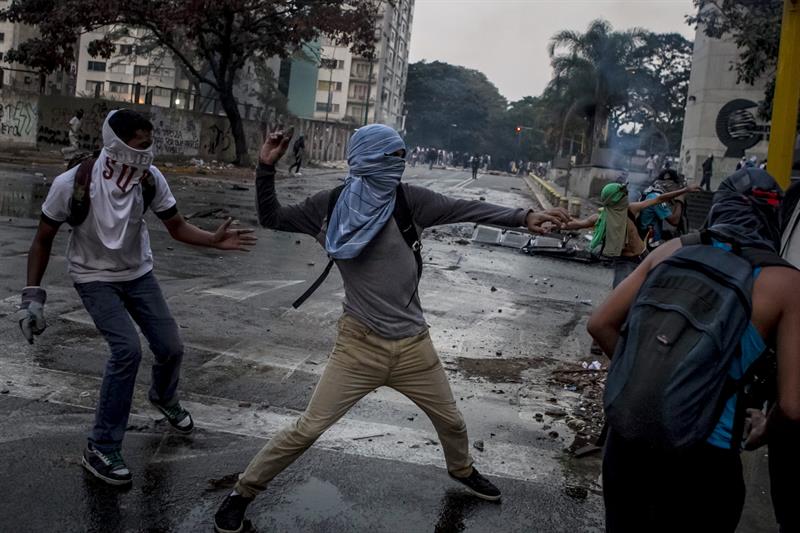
417, 246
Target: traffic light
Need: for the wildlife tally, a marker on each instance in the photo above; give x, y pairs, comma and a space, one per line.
518, 129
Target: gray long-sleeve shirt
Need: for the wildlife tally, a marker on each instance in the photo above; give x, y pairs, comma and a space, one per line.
380, 281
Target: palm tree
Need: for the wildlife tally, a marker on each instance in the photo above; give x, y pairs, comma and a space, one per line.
594, 71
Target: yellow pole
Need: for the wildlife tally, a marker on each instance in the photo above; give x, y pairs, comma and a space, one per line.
783, 131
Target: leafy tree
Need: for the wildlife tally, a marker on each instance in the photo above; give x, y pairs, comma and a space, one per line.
658, 94
439, 95
596, 70
212, 39
605, 77
755, 27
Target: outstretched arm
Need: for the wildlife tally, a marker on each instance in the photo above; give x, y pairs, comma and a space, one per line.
434, 209
666, 197
306, 217
584, 223
223, 238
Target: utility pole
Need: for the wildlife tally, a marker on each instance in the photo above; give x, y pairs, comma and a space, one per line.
783, 131
369, 89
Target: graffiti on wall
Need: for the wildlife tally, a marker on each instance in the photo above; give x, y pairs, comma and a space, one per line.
737, 127
56, 114
18, 120
218, 142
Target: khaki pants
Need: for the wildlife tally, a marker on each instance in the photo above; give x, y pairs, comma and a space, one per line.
361, 362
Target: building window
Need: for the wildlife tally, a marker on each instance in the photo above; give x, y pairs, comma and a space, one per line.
163, 72
161, 91
331, 64
94, 87
359, 91
141, 70
2, 37
118, 68
324, 107
333, 86
117, 87
125, 49
27, 80
97, 66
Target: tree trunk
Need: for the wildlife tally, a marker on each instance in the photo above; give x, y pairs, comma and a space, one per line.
237, 127
599, 126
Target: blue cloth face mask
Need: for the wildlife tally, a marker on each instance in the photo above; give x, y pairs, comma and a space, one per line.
367, 200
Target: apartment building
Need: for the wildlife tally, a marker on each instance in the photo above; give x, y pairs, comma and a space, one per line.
20, 77
131, 74
360, 90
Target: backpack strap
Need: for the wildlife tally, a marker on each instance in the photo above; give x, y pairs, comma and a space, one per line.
765, 258
148, 184
695, 238
79, 202
332, 199
403, 218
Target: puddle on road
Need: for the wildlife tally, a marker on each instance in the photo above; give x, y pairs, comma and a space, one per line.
22, 198
318, 500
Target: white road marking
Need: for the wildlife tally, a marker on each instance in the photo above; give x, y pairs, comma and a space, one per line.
248, 289
402, 444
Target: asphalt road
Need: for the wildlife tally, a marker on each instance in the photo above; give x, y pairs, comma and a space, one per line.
502, 322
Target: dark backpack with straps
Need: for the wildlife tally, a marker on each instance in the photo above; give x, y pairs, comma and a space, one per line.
669, 381
405, 222
80, 201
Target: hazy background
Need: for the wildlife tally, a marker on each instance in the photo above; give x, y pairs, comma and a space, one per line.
507, 39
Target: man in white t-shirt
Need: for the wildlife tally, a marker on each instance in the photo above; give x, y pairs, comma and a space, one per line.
111, 264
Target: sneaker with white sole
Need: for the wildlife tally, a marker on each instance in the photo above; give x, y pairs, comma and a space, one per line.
479, 485
107, 466
178, 417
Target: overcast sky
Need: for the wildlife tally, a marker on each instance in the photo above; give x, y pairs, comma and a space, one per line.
507, 39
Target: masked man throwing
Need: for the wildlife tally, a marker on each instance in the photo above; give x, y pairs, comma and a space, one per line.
382, 337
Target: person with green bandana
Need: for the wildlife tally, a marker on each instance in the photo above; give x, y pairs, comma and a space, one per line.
615, 234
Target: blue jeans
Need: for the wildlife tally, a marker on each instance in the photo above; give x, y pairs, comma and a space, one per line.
112, 305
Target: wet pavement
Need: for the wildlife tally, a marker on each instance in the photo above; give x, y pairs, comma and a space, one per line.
503, 323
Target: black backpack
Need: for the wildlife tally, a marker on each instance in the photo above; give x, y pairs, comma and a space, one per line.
668, 381
404, 220
80, 201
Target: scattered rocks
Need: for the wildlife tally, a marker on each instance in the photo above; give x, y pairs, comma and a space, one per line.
493, 289
478, 445
4, 391
245, 404
555, 412
553, 434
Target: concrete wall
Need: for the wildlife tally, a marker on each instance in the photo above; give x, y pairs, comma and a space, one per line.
42, 122
587, 181
712, 85
18, 120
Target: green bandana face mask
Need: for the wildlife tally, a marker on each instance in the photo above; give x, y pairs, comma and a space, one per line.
611, 227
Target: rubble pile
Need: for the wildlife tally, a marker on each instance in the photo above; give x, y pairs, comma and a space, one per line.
589, 382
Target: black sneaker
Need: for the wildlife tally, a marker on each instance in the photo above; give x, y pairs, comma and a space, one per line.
110, 467
177, 416
479, 485
230, 516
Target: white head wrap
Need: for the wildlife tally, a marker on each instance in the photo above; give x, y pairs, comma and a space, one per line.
114, 191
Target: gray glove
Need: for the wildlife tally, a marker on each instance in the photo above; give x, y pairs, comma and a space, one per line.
32, 312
